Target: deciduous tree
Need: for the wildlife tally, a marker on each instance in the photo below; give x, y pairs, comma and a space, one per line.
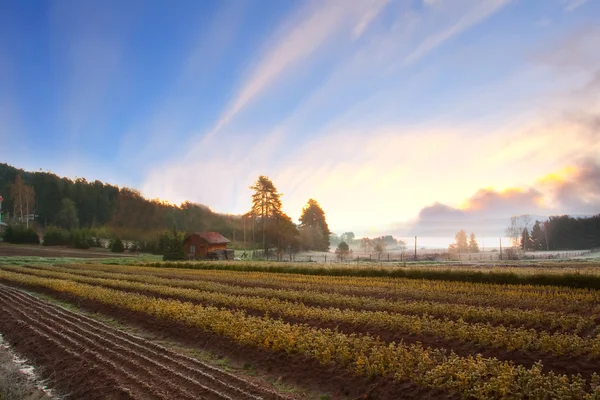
526, 242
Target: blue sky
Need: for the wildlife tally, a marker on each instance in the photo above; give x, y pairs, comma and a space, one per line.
381, 110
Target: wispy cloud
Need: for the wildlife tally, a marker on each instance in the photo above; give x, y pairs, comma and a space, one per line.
571, 5
472, 17
317, 24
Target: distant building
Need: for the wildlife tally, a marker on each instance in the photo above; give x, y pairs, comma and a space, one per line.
198, 244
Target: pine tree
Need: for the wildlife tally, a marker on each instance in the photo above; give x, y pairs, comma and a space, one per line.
266, 203
461, 241
313, 217
174, 247
473, 245
538, 237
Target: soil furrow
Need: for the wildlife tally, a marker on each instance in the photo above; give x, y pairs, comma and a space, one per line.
148, 369
158, 353
74, 372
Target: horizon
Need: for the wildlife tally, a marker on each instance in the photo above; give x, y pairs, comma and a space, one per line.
396, 116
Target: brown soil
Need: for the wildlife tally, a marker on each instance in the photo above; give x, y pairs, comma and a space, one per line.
292, 369
86, 359
56, 251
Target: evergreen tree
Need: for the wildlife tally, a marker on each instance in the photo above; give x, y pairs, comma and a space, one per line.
313, 217
473, 245
67, 216
174, 250
538, 238
117, 246
461, 244
266, 204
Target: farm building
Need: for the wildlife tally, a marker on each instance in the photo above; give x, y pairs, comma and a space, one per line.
200, 244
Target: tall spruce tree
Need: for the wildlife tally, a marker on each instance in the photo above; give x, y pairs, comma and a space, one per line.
473, 245
538, 238
313, 217
461, 243
266, 204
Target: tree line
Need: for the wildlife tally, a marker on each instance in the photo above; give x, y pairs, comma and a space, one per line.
78, 212
42, 200
561, 232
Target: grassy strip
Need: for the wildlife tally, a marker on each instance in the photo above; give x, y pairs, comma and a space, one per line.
22, 260
481, 334
569, 279
473, 377
507, 316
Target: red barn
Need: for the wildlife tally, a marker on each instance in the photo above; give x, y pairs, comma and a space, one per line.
199, 244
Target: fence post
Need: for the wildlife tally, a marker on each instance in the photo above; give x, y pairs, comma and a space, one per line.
309, 258
325, 259
388, 257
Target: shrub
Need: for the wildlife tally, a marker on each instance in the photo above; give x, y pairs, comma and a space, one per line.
116, 246
54, 236
20, 234
80, 240
134, 246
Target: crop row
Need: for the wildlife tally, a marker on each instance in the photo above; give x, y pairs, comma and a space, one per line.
475, 377
542, 297
502, 337
588, 278
507, 316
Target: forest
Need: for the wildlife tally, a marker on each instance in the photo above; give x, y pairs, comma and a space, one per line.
46, 202
42, 200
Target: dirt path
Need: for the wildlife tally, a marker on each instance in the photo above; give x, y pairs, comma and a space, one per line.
15, 250
88, 359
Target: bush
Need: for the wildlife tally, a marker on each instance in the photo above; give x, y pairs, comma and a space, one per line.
54, 236
80, 240
173, 247
116, 246
20, 234
135, 246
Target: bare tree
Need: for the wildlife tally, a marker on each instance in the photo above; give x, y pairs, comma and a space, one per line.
23, 197
515, 229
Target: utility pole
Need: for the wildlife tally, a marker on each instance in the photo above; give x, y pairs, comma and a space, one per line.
415, 248
500, 248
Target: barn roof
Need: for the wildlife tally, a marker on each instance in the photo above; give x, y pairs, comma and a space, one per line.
210, 237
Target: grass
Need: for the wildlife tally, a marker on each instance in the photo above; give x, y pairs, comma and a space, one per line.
23, 260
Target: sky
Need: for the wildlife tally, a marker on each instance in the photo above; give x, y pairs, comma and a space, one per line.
398, 116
